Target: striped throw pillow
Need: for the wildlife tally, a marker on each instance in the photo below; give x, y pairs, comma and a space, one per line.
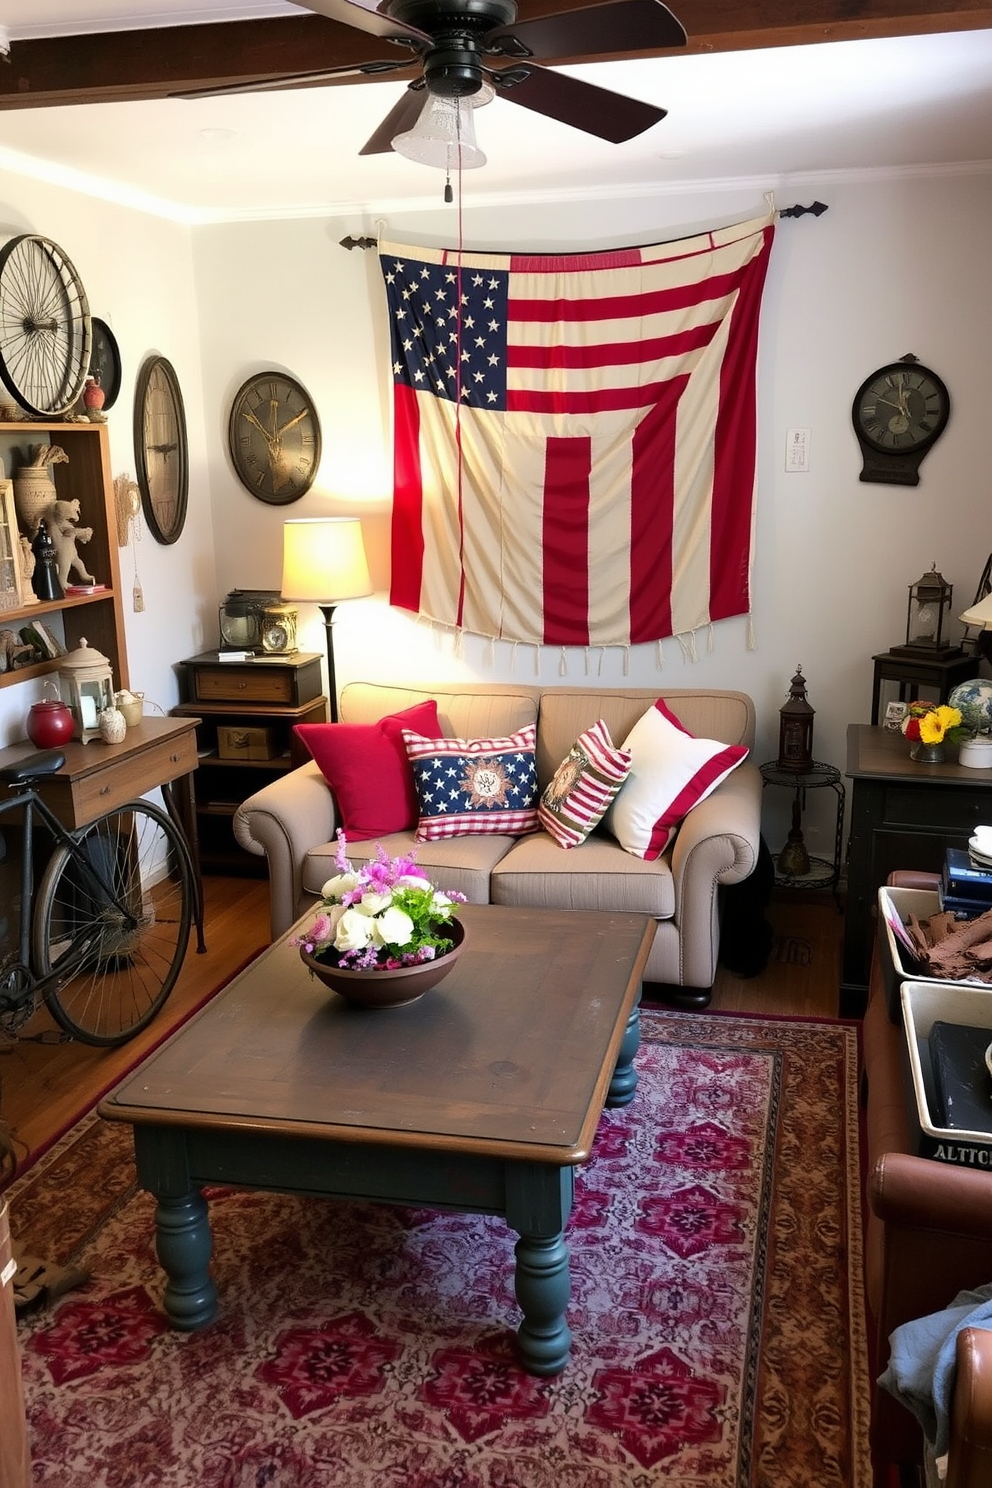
584, 784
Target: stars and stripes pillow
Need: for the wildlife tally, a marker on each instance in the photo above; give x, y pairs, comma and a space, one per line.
584, 784
467, 786
671, 772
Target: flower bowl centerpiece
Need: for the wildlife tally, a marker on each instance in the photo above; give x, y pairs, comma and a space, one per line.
384, 935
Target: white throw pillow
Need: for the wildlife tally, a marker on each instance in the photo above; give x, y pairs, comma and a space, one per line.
671, 771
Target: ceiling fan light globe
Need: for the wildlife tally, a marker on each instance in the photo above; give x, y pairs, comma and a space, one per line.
443, 136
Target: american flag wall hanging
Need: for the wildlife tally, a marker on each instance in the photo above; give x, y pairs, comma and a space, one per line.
575, 437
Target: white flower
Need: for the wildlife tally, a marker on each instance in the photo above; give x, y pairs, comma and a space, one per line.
413, 881
354, 931
372, 904
393, 927
441, 901
339, 885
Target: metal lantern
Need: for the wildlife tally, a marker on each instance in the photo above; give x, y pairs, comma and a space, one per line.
929, 603
87, 686
795, 734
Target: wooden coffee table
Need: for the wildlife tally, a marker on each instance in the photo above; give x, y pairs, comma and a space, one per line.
482, 1097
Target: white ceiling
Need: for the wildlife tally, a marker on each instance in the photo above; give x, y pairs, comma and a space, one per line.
903, 103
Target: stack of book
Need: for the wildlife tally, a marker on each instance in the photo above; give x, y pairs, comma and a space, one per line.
966, 883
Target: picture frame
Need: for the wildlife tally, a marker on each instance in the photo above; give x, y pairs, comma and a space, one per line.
894, 715
15, 587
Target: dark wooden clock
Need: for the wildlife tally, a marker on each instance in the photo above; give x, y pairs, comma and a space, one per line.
899, 413
161, 450
274, 437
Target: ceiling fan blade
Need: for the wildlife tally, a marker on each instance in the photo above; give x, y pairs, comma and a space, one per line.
610, 116
402, 116
614, 28
365, 15
297, 79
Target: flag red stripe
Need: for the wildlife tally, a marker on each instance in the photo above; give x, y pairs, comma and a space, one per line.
735, 448
565, 541
623, 307
611, 353
652, 518
407, 537
599, 400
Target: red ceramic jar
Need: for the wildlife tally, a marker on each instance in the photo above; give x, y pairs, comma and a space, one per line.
49, 724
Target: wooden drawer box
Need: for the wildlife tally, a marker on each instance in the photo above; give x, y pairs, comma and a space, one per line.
278, 683
237, 743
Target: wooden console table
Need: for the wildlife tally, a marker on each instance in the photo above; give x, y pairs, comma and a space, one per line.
903, 815
99, 777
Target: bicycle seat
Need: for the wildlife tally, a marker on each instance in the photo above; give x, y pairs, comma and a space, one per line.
32, 766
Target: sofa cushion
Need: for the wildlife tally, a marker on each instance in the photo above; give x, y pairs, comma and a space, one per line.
584, 784
469, 786
460, 863
599, 874
671, 772
367, 768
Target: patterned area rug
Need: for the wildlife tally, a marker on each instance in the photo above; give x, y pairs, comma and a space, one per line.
719, 1335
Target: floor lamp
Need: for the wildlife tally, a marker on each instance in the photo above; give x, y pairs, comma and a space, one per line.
323, 562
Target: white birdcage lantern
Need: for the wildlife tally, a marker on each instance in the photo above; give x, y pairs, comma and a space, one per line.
87, 686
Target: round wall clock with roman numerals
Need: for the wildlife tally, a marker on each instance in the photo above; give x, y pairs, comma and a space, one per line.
899, 413
274, 437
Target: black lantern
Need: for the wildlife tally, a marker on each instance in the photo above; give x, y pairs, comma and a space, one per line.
929, 604
795, 733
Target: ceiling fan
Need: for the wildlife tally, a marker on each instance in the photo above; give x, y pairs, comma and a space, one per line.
461, 47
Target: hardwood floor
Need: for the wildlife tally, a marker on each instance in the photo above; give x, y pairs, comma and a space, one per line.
46, 1085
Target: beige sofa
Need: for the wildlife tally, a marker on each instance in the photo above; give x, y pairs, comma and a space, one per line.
292, 821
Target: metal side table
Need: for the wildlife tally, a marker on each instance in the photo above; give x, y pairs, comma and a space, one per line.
824, 873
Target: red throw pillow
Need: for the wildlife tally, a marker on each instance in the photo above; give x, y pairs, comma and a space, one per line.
366, 766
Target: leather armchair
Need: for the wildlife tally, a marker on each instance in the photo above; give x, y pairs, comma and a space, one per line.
928, 1236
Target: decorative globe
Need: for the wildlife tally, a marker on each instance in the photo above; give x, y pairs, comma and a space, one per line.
973, 701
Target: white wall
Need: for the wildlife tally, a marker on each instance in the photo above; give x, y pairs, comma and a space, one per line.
138, 274
895, 265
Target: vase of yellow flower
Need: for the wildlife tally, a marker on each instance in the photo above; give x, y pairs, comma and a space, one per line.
928, 727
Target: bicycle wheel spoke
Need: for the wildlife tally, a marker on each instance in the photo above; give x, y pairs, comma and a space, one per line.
113, 922
45, 327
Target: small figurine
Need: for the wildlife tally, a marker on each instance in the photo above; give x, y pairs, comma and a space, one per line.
13, 650
62, 516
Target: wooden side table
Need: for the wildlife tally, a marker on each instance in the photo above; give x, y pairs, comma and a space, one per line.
904, 815
913, 672
259, 701
99, 777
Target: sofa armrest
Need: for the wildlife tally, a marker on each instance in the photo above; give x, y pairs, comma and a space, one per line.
969, 1462
921, 1194
282, 822
716, 844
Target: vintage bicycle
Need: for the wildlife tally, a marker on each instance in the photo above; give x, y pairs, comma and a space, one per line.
104, 922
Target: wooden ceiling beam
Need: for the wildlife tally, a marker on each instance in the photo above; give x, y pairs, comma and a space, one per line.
124, 66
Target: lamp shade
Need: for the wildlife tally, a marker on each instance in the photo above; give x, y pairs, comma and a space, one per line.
323, 560
979, 614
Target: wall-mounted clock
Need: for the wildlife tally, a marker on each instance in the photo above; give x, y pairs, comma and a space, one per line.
899, 413
105, 362
274, 438
160, 448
